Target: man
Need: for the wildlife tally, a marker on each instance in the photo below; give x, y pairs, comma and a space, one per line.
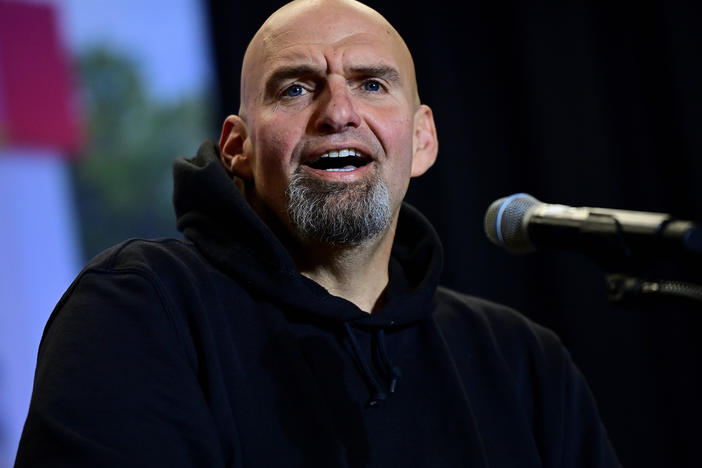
300, 323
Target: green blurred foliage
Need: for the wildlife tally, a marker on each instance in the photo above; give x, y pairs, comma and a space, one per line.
123, 178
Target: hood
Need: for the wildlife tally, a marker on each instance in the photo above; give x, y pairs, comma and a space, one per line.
213, 214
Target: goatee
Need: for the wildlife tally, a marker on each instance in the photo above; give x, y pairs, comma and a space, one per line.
337, 212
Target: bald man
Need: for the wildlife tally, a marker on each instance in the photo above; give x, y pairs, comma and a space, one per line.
300, 323
329, 132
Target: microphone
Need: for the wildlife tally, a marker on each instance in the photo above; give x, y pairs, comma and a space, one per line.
520, 223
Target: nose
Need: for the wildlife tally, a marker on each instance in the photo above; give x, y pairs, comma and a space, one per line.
336, 112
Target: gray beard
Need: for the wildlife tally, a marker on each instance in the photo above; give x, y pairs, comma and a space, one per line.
338, 213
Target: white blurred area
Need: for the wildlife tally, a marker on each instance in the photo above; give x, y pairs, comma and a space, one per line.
39, 252
40, 246
167, 38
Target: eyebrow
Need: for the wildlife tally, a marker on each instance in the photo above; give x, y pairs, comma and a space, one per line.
385, 72
285, 73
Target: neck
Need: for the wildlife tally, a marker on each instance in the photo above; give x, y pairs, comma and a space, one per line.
358, 273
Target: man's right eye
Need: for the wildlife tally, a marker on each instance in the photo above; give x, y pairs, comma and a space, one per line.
294, 91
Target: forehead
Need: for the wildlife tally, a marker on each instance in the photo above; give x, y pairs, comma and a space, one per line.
328, 50
316, 35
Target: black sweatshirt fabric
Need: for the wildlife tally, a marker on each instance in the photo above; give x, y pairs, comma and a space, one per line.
215, 352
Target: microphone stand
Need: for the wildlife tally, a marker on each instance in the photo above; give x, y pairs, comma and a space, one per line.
622, 287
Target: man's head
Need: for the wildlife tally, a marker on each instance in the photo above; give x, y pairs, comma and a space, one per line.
330, 128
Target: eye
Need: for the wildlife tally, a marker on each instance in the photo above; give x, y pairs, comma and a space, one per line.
372, 86
294, 91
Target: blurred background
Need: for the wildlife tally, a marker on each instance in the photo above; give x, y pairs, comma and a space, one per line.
580, 103
97, 97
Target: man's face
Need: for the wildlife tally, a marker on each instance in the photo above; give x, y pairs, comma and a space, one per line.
328, 97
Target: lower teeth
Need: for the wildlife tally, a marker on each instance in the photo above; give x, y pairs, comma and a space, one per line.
341, 169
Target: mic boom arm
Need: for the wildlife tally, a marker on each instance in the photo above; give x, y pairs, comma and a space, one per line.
624, 243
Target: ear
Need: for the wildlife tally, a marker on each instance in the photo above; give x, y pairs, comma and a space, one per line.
233, 145
425, 144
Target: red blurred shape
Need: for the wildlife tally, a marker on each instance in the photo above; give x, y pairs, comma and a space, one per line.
37, 104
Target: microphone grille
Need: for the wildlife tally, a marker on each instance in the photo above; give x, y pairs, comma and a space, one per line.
504, 220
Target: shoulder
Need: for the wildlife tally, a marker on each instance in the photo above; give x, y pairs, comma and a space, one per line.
136, 281
501, 322
167, 264
145, 254
150, 263
498, 332
502, 349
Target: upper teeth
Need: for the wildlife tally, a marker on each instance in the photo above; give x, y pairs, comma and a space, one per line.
341, 153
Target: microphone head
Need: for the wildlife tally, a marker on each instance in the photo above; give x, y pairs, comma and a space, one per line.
504, 222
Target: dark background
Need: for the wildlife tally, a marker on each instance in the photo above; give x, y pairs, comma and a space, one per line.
576, 102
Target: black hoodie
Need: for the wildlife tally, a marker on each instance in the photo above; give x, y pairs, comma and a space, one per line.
215, 351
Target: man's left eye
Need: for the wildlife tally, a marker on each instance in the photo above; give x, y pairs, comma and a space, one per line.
294, 91
372, 85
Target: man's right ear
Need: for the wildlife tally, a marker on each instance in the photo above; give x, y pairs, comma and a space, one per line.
232, 145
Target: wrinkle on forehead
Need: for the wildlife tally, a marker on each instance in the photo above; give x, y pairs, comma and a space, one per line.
305, 24
323, 55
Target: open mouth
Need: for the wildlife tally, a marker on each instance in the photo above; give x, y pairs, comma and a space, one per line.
344, 160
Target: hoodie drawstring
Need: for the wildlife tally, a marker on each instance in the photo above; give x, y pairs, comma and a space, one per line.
392, 371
